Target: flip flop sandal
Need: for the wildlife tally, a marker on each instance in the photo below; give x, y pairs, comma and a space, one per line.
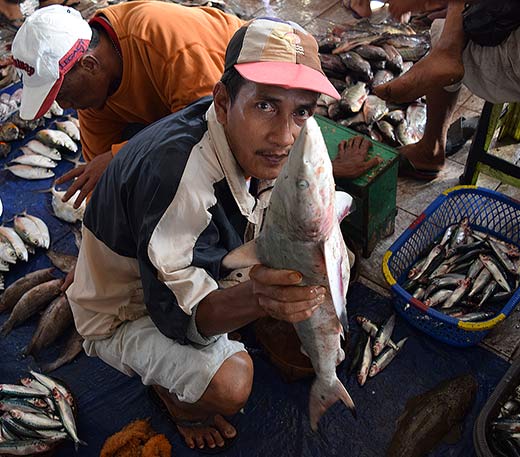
459, 133
228, 442
407, 169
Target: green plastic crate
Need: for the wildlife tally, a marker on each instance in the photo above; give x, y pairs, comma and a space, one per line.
374, 192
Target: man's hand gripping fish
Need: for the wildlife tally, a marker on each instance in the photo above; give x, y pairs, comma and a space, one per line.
301, 232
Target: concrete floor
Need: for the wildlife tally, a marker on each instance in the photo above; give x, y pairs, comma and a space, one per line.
317, 16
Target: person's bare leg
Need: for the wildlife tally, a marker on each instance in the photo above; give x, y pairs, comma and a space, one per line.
429, 152
226, 395
441, 67
361, 7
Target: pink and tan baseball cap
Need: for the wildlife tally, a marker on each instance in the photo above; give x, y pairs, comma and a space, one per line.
45, 48
281, 53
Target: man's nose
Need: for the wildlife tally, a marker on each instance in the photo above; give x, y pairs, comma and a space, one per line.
284, 133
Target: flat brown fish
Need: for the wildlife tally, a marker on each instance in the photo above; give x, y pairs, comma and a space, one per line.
53, 323
429, 417
64, 262
73, 347
30, 303
13, 293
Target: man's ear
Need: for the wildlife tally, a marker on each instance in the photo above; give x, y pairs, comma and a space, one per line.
89, 63
221, 101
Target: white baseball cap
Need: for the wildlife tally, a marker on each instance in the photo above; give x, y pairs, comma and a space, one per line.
45, 48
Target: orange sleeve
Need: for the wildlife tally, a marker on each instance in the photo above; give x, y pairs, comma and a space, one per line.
99, 131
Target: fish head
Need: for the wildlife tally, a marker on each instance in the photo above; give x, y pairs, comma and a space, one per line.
304, 192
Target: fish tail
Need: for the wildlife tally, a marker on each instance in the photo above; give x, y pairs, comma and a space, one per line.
6, 328
324, 395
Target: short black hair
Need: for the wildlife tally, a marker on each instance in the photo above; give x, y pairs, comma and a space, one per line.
94, 40
233, 81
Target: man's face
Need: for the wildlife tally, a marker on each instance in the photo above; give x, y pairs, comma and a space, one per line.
81, 90
262, 124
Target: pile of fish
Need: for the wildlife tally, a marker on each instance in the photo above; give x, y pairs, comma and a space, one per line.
467, 274
37, 414
13, 127
504, 436
40, 155
375, 349
28, 233
40, 291
356, 58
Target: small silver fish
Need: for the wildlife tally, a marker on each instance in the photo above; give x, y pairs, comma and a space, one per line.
70, 129
57, 139
28, 172
34, 160
39, 148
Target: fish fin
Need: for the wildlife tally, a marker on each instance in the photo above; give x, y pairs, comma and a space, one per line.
344, 205
338, 275
241, 257
323, 396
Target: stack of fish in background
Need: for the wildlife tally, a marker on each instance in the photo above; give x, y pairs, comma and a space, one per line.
32, 292
37, 415
466, 274
359, 56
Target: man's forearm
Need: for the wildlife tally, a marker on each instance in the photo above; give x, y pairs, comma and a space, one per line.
225, 310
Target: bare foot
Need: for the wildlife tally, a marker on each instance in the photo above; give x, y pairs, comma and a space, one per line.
438, 69
424, 156
206, 430
360, 7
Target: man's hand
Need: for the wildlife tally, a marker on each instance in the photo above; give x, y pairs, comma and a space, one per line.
86, 177
351, 161
69, 279
280, 296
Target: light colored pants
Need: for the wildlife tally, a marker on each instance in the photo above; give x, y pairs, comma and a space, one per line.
490, 72
139, 348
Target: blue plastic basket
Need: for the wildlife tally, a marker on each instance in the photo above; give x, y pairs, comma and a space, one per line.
488, 211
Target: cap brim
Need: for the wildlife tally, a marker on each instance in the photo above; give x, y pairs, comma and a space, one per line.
36, 101
289, 75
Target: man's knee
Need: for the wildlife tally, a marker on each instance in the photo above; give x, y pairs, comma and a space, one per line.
231, 386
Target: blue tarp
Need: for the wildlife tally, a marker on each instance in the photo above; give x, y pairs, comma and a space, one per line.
275, 419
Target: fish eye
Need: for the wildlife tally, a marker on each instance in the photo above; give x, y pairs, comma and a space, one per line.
302, 184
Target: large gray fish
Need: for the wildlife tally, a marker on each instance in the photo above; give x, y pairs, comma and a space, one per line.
301, 232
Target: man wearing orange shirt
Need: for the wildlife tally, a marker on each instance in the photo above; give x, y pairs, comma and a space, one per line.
132, 64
